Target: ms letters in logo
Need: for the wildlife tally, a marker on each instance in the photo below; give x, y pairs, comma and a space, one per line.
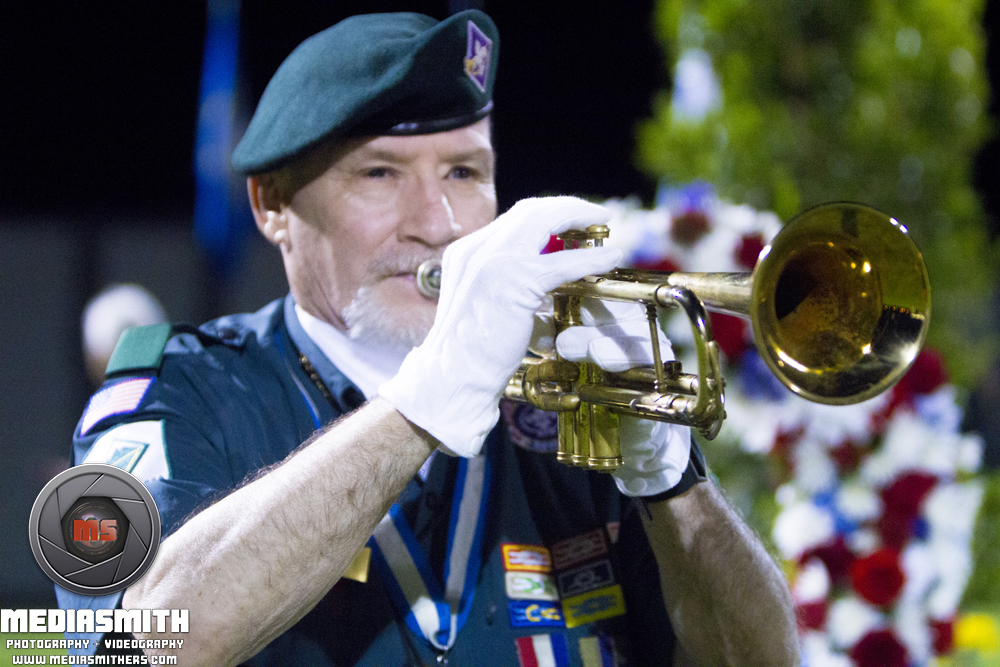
94, 529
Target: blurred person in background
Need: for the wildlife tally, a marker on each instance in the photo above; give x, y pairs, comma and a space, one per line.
113, 310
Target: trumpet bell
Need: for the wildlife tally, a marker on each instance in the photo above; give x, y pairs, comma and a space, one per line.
840, 303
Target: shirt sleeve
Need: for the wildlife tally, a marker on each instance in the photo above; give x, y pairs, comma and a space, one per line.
162, 429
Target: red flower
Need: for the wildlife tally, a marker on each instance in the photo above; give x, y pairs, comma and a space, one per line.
784, 442
878, 578
905, 495
943, 635
811, 615
749, 250
847, 455
729, 332
662, 264
835, 556
879, 648
902, 500
688, 227
925, 375
895, 529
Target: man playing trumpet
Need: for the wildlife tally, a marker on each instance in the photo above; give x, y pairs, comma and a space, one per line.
359, 414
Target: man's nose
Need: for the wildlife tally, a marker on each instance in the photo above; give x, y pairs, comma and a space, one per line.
428, 217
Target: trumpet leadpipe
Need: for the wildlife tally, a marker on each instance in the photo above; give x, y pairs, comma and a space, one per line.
720, 292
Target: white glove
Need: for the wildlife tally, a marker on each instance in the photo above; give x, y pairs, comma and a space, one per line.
492, 282
615, 336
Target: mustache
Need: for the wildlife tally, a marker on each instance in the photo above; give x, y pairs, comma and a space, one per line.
405, 262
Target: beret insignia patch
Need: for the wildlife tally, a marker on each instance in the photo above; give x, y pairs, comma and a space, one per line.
477, 56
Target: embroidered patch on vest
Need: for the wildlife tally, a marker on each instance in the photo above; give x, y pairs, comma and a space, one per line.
526, 558
137, 447
543, 651
594, 606
579, 549
530, 586
598, 651
529, 613
530, 428
586, 578
120, 398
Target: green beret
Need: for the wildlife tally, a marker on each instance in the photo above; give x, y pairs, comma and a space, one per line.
374, 74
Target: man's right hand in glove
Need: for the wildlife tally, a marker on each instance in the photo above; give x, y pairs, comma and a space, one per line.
493, 281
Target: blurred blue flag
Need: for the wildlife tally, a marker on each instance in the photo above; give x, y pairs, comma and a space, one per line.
220, 226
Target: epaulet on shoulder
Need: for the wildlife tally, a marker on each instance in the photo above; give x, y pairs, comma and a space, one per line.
139, 349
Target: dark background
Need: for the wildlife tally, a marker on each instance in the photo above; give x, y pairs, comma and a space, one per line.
97, 128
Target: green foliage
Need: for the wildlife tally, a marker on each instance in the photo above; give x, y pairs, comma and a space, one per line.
874, 101
981, 593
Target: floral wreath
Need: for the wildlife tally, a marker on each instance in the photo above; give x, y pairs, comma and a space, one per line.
877, 500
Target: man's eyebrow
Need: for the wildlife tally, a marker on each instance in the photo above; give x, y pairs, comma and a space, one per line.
478, 153
388, 155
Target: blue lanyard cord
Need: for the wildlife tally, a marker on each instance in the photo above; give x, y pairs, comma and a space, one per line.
432, 610
313, 410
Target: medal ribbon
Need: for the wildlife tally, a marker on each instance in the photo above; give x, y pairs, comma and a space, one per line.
431, 610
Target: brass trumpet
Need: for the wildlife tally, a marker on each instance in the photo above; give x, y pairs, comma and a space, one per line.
839, 303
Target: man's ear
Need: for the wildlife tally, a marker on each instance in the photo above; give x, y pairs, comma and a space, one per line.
268, 211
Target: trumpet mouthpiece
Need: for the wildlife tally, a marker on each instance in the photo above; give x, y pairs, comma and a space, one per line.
429, 278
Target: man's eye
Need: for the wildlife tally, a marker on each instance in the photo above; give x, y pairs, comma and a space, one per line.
462, 172
377, 172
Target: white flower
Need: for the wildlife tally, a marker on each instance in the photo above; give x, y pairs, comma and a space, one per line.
939, 409
851, 619
751, 422
911, 444
954, 567
863, 542
833, 424
911, 627
816, 651
920, 568
951, 509
812, 582
787, 494
800, 527
858, 502
970, 452
640, 233
814, 470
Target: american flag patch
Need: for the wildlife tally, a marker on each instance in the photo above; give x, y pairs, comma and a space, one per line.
118, 399
543, 651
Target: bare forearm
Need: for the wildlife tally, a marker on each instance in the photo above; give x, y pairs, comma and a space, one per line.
728, 602
251, 565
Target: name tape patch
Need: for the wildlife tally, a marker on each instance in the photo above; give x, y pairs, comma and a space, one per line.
526, 558
579, 549
594, 606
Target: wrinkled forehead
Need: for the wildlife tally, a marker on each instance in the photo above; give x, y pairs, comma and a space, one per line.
472, 142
